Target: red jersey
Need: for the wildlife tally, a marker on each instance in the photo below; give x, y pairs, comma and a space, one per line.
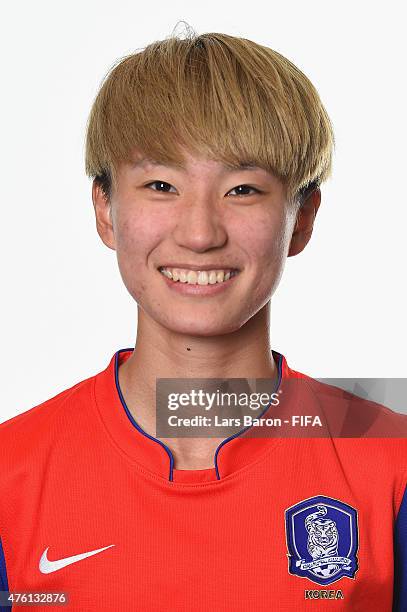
93, 506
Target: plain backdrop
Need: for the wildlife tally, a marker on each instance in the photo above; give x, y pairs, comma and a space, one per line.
340, 308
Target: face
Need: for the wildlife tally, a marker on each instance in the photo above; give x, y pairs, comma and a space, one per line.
203, 216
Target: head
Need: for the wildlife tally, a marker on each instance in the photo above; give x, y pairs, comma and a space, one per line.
207, 150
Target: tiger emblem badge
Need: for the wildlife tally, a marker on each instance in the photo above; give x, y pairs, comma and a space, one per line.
322, 539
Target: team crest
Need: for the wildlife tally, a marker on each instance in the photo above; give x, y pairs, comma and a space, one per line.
322, 539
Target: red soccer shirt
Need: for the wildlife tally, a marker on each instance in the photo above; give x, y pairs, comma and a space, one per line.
93, 506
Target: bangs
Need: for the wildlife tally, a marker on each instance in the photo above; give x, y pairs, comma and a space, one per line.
218, 96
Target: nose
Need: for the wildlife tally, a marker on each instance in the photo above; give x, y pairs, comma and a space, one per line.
200, 226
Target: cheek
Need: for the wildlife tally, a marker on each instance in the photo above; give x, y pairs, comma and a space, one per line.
266, 246
130, 243
267, 242
136, 238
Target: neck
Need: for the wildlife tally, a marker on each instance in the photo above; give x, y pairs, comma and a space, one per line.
161, 353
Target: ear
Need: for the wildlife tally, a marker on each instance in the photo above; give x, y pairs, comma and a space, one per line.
305, 222
104, 223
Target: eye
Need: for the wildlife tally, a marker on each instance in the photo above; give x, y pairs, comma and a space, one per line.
165, 188
161, 184
244, 187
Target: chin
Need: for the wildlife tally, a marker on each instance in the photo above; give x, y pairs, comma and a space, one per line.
202, 328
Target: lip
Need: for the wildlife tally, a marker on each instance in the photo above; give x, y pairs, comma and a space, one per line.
201, 268
198, 290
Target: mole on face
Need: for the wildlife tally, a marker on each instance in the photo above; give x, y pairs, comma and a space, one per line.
188, 349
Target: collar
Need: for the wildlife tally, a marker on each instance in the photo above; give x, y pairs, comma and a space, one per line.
154, 457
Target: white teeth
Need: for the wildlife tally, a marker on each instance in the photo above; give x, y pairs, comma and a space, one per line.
201, 277
192, 277
212, 277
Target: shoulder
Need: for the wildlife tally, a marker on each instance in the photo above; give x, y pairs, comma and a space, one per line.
366, 435
350, 414
28, 431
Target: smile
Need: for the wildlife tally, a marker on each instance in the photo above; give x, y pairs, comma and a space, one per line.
198, 277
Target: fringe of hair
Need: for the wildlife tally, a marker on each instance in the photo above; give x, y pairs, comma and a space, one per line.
219, 96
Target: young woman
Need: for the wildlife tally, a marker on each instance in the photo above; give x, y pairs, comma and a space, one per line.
207, 155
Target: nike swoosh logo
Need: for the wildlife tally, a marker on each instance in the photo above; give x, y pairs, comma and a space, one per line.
46, 566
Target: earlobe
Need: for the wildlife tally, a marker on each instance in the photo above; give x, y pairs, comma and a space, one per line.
305, 222
102, 208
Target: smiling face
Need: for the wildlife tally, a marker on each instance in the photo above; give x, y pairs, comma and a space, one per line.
204, 216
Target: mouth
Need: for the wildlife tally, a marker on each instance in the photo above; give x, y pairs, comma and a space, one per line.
202, 277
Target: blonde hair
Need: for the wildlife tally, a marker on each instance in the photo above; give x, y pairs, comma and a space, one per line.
226, 98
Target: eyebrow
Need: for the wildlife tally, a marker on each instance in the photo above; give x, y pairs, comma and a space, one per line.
227, 167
